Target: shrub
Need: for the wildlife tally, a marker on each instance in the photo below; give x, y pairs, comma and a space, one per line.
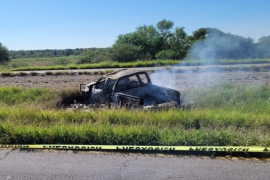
125, 52
92, 56
167, 54
4, 54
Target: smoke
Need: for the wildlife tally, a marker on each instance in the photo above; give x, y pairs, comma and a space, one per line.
216, 46
166, 78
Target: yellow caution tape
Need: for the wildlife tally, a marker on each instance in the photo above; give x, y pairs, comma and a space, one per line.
139, 148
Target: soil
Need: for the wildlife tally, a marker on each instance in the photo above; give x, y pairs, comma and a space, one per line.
180, 81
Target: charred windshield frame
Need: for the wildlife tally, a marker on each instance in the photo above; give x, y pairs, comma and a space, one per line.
139, 80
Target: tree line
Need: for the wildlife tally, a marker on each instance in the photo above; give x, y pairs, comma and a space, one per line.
163, 41
46, 53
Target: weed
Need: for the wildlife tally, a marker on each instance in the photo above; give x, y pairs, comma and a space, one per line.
48, 73
7, 74
23, 74
222, 115
58, 73
33, 73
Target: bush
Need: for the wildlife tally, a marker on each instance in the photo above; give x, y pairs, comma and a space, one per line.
94, 56
4, 54
167, 54
125, 52
62, 61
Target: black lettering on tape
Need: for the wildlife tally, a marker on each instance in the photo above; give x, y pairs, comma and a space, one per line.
13, 146
218, 149
145, 148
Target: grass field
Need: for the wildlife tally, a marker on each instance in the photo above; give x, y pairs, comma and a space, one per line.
252, 68
222, 115
69, 62
102, 65
49, 61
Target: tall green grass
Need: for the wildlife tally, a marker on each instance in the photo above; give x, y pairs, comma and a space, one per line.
37, 98
49, 61
102, 65
141, 128
222, 115
61, 63
255, 99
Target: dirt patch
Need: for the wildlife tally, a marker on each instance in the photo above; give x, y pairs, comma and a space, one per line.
181, 81
54, 82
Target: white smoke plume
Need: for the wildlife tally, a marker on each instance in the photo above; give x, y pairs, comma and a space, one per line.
217, 45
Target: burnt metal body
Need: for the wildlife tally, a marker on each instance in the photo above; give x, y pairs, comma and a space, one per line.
129, 88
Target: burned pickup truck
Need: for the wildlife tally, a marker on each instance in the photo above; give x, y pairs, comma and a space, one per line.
130, 88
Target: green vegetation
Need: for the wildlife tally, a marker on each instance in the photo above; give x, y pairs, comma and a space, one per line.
212, 127
49, 61
148, 46
150, 42
153, 63
102, 65
30, 98
48, 53
250, 99
56, 73
4, 54
223, 115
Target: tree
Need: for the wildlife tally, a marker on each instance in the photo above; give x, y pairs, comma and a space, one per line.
165, 26
220, 45
179, 43
4, 54
158, 41
167, 54
263, 47
199, 34
125, 52
145, 37
94, 56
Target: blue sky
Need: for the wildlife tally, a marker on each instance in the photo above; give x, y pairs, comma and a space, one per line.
60, 24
